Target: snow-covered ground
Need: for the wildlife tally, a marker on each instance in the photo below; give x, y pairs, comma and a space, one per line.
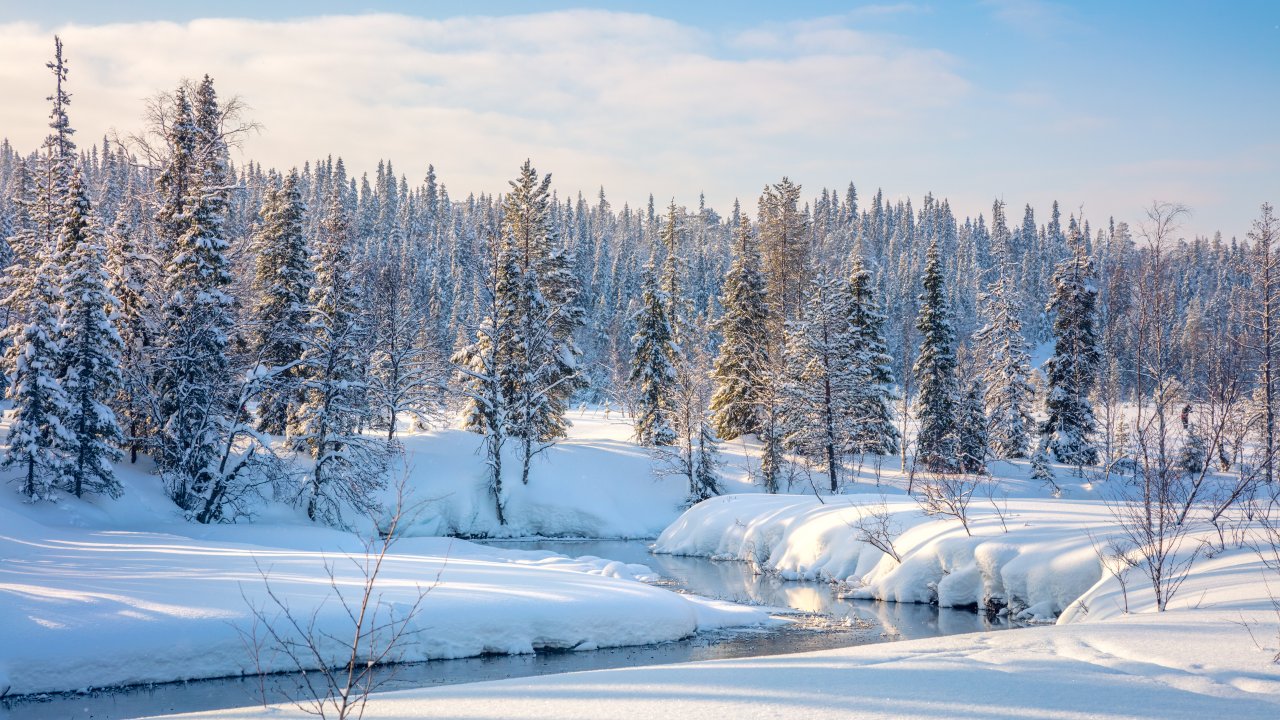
1212, 654
1141, 666
596, 483
100, 592
97, 592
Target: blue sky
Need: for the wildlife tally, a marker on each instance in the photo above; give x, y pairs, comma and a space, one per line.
1101, 105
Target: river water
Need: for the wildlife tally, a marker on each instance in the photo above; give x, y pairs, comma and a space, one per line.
821, 622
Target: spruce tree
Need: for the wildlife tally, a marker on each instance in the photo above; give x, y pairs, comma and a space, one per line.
282, 283
740, 366
347, 465
869, 412
193, 379
706, 478
935, 371
653, 370
1006, 369
539, 372
38, 435
90, 348
1073, 369
820, 378
971, 435
37, 432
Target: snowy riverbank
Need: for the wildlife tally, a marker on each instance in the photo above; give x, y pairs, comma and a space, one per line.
89, 607
1210, 655
1135, 667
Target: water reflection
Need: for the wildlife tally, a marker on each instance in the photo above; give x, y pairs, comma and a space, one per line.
738, 582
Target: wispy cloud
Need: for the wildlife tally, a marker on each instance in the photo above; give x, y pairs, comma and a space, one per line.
1036, 18
632, 101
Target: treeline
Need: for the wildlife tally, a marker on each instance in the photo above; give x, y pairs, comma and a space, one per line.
160, 301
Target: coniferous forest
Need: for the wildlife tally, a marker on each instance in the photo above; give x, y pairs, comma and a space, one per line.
280, 434
162, 301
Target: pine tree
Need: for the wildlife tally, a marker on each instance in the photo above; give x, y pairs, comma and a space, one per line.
282, 282
869, 412
740, 366
1073, 368
971, 435
1006, 369
130, 272
348, 465
935, 370
820, 379
38, 433
90, 353
193, 380
654, 367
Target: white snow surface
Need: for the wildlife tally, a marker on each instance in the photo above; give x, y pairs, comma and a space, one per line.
1038, 562
99, 606
1211, 655
1140, 666
597, 483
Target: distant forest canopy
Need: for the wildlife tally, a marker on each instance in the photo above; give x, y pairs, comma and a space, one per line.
160, 299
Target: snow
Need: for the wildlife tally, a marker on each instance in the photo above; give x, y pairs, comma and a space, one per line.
123, 591
1140, 667
1211, 655
100, 592
597, 483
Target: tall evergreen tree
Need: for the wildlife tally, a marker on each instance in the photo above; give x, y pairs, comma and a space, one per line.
869, 412
540, 370
348, 465
283, 279
1073, 369
654, 367
38, 434
193, 379
1006, 368
740, 366
935, 371
90, 353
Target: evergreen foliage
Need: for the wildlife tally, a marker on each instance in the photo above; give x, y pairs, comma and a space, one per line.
740, 366
283, 279
1072, 371
935, 372
654, 370
91, 350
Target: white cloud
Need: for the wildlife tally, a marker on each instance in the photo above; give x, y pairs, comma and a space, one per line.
638, 104
633, 102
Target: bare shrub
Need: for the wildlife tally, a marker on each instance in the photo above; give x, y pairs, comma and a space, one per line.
948, 495
875, 526
377, 633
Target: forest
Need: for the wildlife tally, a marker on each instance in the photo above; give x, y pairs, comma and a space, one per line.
264, 332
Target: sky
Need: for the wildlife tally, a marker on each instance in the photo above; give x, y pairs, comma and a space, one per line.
1102, 106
